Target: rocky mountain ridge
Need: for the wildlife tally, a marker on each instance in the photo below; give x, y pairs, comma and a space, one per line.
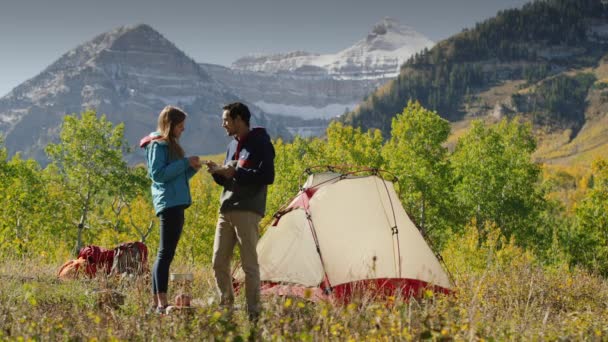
313, 86
378, 56
130, 74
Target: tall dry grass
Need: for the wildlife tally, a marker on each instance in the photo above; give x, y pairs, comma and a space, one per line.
501, 293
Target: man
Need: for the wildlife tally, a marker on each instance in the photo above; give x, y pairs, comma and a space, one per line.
245, 175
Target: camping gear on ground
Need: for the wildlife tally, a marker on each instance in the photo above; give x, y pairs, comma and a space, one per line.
129, 258
183, 286
72, 269
96, 258
346, 233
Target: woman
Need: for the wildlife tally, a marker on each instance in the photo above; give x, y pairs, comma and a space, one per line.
170, 172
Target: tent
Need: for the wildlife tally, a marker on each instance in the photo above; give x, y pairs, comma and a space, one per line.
344, 233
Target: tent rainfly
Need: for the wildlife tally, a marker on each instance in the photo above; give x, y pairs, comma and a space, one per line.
345, 234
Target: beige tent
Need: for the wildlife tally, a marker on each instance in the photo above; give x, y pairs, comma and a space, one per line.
344, 232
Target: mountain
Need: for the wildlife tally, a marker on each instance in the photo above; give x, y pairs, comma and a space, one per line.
379, 55
129, 74
547, 62
313, 86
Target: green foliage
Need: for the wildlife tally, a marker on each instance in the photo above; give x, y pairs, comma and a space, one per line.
558, 101
28, 210
89, 161
415, 153
196, 242
289, 166
536, 72
24, 191
346, 145
477, 246
587, 239
489, 178
497, 181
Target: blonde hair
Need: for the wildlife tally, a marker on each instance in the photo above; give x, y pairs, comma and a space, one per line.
168, 118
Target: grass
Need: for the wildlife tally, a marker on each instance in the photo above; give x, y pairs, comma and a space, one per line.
500, 293
588, 145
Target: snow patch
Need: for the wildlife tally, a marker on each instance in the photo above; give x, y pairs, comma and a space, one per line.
306, 112
13, 116
183, 100
379, 55
599, 31
7, 118
308, 131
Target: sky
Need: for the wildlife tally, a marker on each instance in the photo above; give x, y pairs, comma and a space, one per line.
35, 33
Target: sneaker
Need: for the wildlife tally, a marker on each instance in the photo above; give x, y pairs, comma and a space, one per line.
161, 310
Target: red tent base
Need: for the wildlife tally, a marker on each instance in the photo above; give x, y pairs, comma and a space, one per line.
368, 289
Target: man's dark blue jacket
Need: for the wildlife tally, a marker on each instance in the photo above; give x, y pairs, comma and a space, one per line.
253, 158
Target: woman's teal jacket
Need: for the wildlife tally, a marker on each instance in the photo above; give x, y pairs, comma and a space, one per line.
170, 187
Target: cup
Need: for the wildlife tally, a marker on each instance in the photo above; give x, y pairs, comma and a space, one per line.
183, 283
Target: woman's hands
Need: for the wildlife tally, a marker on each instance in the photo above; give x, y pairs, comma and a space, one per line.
195, 162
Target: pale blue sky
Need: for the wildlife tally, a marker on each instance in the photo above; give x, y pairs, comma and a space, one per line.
34, 33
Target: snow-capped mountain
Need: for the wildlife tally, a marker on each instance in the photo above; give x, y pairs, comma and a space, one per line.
310, 86
379, 55
129, 74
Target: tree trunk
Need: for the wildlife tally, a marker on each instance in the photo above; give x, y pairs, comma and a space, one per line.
145, 235
422, 216
81, 224
80, 228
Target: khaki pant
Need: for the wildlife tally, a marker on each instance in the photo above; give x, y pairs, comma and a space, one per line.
237, 227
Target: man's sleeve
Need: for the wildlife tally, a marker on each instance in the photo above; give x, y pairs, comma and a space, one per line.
263, 173
219, 179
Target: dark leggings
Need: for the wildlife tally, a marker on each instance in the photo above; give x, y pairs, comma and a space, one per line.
171, 225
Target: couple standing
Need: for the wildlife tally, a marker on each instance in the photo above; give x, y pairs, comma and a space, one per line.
245, 175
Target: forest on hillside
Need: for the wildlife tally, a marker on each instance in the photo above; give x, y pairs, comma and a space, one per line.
514, 45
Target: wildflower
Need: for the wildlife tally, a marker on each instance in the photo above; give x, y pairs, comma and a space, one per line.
307, 293
216, 316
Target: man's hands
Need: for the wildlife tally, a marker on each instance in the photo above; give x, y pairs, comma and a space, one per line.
211, 166
226, 171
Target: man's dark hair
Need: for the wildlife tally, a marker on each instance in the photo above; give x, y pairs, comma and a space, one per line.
238, 109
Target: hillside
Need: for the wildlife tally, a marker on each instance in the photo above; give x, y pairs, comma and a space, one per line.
545, 62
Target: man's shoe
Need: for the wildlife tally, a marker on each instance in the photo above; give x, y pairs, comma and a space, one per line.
161, 310
254, 317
